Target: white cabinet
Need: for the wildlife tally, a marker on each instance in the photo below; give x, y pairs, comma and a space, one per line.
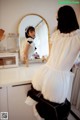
18, 110
3, 99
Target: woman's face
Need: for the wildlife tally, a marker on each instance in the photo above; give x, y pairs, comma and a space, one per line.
32, 34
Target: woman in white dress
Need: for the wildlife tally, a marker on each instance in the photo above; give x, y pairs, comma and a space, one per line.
52, 81
28, 47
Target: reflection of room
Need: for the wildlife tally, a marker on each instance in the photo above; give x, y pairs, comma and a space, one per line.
42, 36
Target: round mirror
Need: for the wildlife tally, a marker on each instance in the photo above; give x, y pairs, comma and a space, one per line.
41, 40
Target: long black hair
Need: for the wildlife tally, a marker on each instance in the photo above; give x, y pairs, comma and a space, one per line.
67, 20
29, 29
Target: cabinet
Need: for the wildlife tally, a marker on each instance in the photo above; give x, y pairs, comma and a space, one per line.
18, 110
3, 99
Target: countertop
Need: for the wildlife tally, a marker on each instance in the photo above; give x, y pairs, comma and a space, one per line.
19, 75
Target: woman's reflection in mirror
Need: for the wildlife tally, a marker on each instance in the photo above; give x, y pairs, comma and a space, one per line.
28, 46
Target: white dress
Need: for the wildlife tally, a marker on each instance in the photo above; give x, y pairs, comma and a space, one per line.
54, 78
31, 49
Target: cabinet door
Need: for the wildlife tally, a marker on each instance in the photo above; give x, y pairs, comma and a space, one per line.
3, 99
18, 110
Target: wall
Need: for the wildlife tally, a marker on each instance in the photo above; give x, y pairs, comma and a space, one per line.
79, 14
0, 13
13, 10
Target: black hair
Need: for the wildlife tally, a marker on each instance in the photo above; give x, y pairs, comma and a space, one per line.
29, 29
67, 20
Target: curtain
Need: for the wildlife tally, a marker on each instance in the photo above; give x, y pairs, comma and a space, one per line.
75, 98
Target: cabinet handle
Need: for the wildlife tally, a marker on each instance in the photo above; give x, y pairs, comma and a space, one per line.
21, 85
0, 87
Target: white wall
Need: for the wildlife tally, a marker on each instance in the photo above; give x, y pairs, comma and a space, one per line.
0, 13
13, 10
79, 14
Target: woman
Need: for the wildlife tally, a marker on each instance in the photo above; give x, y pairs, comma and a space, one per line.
53, 79
28, 46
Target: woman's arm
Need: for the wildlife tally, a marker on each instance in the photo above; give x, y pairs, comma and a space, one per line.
26, 49
50, 46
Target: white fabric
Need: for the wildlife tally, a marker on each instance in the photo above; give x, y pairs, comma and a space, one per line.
64, 50
30, 101
54, 79
31, 49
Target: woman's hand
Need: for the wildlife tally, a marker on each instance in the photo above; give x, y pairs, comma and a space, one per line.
25, 59
25, 56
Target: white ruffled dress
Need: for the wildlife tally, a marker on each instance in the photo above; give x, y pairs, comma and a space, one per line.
54, 79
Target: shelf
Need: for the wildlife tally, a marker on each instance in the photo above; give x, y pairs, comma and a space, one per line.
8, 60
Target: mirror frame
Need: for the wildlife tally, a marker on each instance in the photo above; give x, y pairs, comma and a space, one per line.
45, 22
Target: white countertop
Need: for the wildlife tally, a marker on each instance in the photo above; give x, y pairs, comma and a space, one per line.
19, 75
5, 54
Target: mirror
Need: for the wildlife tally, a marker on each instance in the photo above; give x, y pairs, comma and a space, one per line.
41, 40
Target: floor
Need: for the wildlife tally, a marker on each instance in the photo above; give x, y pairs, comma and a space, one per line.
71, 117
